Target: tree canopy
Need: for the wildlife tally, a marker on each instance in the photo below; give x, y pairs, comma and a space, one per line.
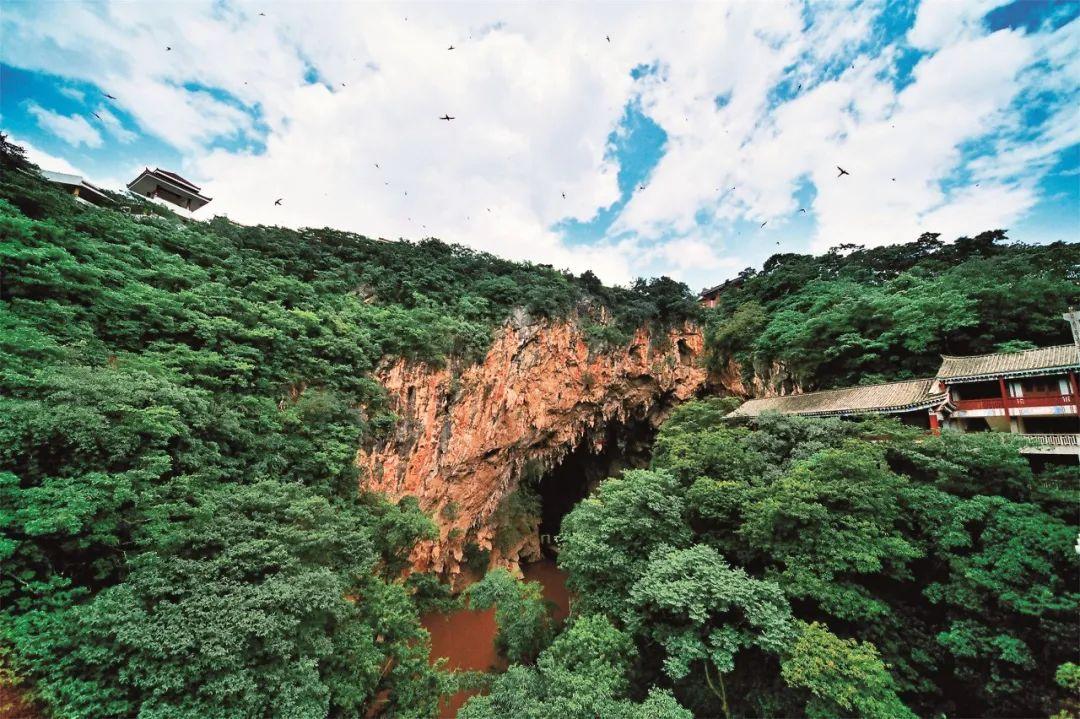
855, 315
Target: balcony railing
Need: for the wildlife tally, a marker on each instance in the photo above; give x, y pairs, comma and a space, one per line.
1054, 440
1034, 400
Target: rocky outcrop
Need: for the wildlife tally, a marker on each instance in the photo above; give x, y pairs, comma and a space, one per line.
466, 435
771, 381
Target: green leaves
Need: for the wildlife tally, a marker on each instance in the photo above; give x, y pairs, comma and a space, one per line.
845, 677
609, 536
727, 610
582, 675
828, 568
521, 613
856, 315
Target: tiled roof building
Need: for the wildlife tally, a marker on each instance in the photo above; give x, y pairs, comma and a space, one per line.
890, 398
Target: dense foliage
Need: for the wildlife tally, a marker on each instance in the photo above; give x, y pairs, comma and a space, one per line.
181, 530
822, 568
855, 315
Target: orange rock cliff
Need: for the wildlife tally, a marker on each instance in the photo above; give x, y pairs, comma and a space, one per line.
465, 438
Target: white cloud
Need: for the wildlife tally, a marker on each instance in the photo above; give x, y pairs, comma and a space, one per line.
44, 160
940, 22
115, 127
72, 129
536, 91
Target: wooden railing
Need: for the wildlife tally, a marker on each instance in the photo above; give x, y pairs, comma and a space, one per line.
1035, 400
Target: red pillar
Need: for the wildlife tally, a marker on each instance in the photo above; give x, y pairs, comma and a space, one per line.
935, 426
1075, 392
1004, 397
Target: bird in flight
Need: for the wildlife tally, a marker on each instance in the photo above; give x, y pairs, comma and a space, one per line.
109, 96
564, 195
641, 187
167, 48
450, 48
802, 209
376, 165
448, 118
96, 115
607, 37
278, 201
842, 171
763, 224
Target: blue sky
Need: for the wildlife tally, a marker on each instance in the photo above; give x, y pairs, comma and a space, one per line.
634, 139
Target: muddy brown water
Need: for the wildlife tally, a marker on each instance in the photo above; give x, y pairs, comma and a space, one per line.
466, 637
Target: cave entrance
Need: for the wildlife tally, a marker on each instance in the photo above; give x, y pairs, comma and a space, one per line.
626, 446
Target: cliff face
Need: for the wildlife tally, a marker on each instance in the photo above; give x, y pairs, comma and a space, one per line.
465, 438
770, 381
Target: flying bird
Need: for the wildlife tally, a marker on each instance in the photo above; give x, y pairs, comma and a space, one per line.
802, 209
109, 96
763, 224
641, 187
842, 171
278, 201
448, 118
376, 165
894, 179
607, 37
564, 195
450, 48
99, 117
167, 48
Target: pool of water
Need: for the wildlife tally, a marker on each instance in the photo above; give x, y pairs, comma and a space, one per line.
466, 638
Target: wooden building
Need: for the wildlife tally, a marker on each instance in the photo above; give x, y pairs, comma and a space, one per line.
168, 186
1033, 393
77, 186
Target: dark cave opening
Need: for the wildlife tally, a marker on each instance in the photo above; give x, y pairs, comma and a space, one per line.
626, 446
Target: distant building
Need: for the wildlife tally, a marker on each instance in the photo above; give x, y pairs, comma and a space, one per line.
708, 297
1032, 393
170, 187
79, 187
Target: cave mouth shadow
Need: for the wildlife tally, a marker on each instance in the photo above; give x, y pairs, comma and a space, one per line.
626, 445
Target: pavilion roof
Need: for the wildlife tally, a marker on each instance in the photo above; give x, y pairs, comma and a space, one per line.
178, 179
1010, 364
887, 398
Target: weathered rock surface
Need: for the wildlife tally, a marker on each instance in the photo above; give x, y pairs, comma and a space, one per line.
465, 437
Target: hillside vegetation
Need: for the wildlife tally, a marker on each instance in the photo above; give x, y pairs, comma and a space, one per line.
857, 316
181, 531
811, 567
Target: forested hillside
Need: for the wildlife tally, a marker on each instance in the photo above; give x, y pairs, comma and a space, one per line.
858, 316
182, 402
810, 567
182, 534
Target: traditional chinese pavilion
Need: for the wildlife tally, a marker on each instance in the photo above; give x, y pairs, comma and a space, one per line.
1034, 393
168, 186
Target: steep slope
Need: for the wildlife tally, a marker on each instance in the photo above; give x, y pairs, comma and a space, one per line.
465, 440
